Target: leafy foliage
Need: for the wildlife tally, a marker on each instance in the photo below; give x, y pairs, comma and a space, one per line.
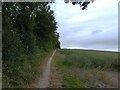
29, 29
83, 3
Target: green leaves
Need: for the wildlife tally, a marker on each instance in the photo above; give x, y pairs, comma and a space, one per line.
29, 29
29, 24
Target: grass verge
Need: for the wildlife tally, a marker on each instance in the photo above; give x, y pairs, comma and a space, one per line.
68, 78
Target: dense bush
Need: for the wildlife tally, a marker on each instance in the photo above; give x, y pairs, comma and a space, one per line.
29, 30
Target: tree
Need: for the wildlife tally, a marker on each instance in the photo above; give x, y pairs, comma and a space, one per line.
28, 30
83, 3
33, 23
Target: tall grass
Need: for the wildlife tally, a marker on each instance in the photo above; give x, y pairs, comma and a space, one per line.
86, 68
102, 60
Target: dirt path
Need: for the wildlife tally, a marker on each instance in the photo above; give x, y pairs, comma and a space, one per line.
44, 80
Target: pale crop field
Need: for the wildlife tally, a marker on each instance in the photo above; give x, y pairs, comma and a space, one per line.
87, 68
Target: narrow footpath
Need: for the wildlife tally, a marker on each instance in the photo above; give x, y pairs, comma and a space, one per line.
44, 80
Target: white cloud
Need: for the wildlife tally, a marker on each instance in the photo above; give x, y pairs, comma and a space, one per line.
76, 26
81, 18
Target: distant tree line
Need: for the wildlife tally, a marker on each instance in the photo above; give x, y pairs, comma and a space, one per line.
27, 28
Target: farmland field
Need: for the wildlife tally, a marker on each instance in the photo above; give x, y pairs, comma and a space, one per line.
86, 68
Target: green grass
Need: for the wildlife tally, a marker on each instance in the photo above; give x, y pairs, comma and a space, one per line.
69, 80
90, 59
77, 67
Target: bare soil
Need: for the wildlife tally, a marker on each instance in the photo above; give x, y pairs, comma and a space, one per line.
44, 79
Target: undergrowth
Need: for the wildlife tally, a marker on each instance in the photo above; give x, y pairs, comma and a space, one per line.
19, 73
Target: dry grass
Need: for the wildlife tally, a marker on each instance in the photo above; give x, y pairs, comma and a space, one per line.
91, 68
110, 78
94, 77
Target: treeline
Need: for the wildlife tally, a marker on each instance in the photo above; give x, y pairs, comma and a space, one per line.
28, 27
27, 30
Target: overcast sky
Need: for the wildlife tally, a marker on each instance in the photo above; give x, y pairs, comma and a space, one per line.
95, 28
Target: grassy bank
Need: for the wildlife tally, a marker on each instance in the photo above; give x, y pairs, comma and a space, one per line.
86, 68
20, 73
